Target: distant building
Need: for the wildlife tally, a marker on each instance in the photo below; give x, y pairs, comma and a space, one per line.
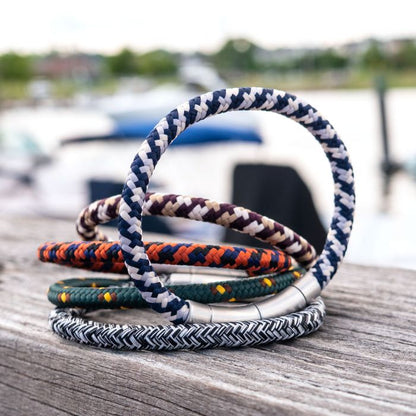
390, 47
273, 56
74, 66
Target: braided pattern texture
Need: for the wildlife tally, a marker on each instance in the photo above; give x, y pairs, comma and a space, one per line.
199, 108
69, 324
200, 209
107, 257
116, 293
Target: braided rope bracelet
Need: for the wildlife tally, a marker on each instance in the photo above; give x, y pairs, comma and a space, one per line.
69, 324
95, 293
107, 257
133, 196
200, 209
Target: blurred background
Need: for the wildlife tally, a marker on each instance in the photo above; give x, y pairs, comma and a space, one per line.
83, 83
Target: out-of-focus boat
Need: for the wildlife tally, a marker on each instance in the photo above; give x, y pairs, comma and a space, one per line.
89, 158
29, 136
89, 166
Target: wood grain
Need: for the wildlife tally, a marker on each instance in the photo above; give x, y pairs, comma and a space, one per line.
362, 362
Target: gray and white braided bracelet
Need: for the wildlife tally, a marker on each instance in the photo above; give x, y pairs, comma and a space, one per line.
69, 324
293, 298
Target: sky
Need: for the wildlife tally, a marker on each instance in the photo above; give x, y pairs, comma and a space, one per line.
188, 26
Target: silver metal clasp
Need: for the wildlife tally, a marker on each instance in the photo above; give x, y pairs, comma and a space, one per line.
181, 275
292, 299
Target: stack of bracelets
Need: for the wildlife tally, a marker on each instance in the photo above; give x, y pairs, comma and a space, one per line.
279, 287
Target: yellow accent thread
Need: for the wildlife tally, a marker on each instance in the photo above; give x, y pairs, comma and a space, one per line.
297, 274
66, 287
232, 300
60, 282
267, 281
93, 284
63, 297
124, 308
107, 297
220, 289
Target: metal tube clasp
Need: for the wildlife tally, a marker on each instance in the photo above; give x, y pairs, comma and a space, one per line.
291, 299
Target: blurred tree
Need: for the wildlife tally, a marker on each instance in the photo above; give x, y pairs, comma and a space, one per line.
236, 54
330, 59
405, 57
374, 57
16, 67
158, 62
123, 63
321, 60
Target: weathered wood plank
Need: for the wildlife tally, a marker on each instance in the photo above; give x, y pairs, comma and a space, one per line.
361, 362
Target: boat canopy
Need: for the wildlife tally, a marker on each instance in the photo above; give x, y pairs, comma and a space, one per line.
198, 134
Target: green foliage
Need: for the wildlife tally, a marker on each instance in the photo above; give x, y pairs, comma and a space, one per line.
402, 58
236, 54
123, 63
329, 59
374, 58
157, 63
242, 55
321, 60
240, 62
405, 57
154, 63
15, 67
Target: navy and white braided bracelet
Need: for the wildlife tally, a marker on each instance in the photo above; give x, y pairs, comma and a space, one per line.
296, 296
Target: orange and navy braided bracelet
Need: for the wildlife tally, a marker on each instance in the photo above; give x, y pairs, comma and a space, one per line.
107, 256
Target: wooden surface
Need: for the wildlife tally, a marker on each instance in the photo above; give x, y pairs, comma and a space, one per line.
362, 361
